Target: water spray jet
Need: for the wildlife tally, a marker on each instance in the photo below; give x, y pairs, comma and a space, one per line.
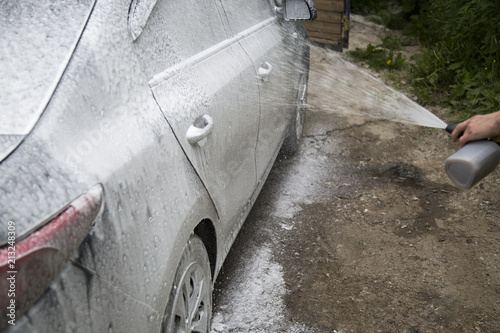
356, 91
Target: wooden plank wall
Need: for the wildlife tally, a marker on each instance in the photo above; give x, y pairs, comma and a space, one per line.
327, 28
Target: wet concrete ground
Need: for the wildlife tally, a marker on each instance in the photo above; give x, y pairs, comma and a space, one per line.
362, 231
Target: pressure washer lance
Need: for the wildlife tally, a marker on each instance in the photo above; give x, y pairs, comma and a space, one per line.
473, 162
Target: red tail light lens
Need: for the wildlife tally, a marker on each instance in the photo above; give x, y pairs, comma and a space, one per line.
28, 267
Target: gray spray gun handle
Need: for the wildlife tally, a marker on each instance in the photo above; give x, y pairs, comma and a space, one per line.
473, 162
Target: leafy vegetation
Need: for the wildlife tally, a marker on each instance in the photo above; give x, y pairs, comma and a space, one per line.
460, 50
383, 56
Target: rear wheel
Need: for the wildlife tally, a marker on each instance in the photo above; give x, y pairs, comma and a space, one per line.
189, 309
292, 140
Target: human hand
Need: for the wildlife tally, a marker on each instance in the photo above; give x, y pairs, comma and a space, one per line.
477, 128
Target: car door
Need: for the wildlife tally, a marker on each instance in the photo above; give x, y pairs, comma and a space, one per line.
271, 44
203, 83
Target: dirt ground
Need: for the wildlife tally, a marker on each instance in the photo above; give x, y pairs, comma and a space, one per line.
369, 232
394, 247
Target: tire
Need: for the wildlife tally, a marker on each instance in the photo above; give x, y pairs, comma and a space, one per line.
292, 140
189, 308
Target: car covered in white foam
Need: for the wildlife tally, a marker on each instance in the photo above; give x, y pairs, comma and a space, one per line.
135, 135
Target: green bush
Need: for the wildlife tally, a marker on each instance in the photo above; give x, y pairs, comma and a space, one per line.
365, 7
393, 14
461, 52
459, 63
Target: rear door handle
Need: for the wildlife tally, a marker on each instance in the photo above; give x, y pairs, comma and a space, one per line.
199, 130
264, 71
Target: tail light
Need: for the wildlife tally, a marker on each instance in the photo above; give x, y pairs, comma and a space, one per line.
28, 267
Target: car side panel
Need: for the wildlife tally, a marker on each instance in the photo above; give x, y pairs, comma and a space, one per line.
207, 79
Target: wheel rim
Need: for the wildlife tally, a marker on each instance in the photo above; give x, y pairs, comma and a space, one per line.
192, 302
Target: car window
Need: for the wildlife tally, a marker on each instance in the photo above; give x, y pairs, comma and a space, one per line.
37, 40
174, 31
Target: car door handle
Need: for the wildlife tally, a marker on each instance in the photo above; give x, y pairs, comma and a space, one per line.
264, 71
199, 130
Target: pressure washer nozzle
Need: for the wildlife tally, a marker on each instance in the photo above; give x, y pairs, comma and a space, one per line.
451, 127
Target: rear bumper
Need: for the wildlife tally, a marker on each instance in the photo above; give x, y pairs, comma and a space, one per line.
79, 301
